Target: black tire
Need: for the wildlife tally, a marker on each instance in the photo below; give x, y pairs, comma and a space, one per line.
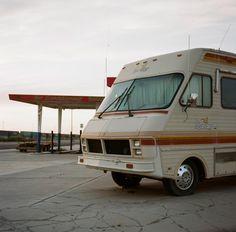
126, 180
185, 182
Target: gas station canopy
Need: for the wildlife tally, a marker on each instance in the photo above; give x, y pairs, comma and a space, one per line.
59, 101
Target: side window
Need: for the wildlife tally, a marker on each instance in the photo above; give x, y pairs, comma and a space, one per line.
228, 93
202, 86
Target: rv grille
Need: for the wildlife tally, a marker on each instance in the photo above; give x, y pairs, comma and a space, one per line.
94, 145
117, 147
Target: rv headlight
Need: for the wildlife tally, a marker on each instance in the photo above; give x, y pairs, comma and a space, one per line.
84, 142
84, 145
138, 152
137, 143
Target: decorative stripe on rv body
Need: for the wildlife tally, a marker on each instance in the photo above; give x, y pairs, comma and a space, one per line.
180, 140
223, 59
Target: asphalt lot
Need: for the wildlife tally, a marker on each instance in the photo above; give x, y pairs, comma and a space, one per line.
50, 192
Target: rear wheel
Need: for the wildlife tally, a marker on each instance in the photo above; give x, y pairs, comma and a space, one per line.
185, 182
126, 180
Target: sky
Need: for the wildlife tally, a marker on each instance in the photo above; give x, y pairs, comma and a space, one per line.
61, 47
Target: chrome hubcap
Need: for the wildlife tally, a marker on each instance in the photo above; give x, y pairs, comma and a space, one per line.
185, 177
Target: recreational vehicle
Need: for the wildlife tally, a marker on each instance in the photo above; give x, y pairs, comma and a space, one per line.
170, 117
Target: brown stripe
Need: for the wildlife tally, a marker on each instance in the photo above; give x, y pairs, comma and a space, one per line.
185, 140
189, 140
147, 142
226, 139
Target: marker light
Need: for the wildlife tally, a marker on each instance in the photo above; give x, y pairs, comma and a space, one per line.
137, 143
130, 166
138, 152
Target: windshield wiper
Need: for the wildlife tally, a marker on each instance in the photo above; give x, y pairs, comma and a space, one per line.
127, 101
116, 100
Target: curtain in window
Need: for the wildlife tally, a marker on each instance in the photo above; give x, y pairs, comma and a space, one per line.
154, 92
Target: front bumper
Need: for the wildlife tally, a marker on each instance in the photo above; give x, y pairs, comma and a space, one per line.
119, 164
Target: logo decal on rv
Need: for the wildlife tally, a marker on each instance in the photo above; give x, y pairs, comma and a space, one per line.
203, 124
142, 68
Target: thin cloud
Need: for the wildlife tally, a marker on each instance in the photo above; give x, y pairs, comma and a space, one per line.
60, 46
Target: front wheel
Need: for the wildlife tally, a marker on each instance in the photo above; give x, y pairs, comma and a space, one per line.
126, 180
185, 182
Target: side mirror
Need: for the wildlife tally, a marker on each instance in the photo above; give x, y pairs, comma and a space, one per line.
192, 101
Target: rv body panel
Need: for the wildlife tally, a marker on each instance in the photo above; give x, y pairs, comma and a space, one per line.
215, 125
161, 139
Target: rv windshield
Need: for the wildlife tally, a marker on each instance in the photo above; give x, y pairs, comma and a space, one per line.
118, 92
145, 93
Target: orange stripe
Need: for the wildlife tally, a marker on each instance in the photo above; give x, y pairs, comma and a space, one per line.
220, 58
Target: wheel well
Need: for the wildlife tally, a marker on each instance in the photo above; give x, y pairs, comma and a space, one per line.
200, 167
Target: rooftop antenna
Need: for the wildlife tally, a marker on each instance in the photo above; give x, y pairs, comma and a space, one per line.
223, 38
106, 60
189, 41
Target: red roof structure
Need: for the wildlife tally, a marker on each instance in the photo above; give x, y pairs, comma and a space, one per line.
59, 101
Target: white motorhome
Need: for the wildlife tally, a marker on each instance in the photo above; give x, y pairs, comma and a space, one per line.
171, 118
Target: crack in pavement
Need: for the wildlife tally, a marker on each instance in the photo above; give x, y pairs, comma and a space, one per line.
67, 190
117, 227
50, 220
69, 211
203, 208
5, 222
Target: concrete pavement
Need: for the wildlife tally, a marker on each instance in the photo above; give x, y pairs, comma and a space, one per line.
52, 193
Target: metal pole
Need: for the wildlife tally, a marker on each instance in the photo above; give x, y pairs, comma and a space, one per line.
40, 112
80, 142
71, 122
52, 142
59, 128
71, 132
71, 140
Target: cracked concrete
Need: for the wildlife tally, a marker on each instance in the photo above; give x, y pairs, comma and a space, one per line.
58, 195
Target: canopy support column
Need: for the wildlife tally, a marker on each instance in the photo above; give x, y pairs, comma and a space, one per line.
40, 113
59, 128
